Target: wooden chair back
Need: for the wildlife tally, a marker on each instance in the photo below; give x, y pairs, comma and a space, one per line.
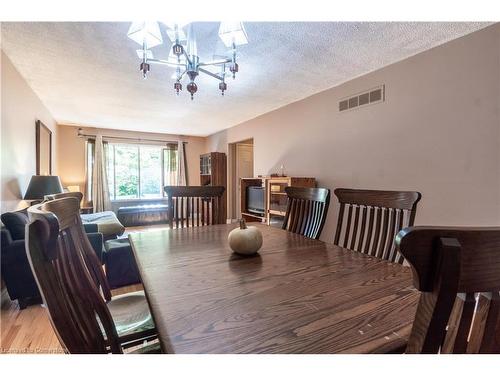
92, 261
74, 194
458, 272
57, 250
369, 219
306, 210
190, 206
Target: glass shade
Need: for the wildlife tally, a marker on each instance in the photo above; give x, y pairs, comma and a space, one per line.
232, 32
178, 34
145, 32
175, 31
140, 54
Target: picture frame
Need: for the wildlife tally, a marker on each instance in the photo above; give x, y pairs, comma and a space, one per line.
43, 149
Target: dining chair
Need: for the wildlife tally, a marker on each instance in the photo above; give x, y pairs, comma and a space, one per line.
73, 286
306, 210
190, 206
457, 271
369, 219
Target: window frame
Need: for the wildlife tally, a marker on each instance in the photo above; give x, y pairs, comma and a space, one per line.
111, 145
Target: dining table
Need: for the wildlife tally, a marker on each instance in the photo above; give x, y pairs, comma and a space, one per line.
296, 295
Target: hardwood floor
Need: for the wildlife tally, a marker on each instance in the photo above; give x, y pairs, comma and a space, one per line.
26, 331
29, 330
144, 229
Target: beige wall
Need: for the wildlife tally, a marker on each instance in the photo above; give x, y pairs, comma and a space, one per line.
20, 109
71, 151
438, 132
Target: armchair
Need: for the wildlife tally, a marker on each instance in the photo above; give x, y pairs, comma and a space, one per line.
15, 268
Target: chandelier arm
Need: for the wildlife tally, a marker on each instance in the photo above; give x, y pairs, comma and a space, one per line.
207, 72
187, 56
165, 62
216, 62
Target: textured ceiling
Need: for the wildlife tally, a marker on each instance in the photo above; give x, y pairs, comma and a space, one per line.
87, 73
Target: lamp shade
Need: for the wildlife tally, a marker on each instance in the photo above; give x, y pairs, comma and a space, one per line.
145, 33
232, 32
41, 186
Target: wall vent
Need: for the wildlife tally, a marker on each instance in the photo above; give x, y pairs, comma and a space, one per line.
372, 96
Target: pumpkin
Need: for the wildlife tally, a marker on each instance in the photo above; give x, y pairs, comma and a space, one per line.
245, 240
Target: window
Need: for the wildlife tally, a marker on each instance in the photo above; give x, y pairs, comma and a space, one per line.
150, 172
136, 171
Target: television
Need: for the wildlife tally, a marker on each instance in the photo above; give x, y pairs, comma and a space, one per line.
255, 200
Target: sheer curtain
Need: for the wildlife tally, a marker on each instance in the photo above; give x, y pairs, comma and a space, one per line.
100, 192
181, 165
170, 164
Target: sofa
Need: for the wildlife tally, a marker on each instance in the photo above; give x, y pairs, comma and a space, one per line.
106, 222
149, 214
15, 267
121, 268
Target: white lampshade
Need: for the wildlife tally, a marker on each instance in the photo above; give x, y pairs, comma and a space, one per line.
175, 31
232, 32
140, 53
178, 34
148, 32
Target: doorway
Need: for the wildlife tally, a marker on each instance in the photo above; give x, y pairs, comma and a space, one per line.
241, 160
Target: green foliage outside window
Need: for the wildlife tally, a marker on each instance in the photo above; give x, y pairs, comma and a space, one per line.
140, 171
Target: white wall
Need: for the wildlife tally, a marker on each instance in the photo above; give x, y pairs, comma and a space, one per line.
20, 109
438, 132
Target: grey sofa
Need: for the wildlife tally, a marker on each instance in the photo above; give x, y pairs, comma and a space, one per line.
15, 267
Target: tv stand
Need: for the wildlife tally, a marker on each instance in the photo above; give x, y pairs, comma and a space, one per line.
275, 197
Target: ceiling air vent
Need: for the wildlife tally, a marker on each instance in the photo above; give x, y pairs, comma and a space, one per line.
372, 96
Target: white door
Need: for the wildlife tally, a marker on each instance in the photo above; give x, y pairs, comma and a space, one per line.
244, 168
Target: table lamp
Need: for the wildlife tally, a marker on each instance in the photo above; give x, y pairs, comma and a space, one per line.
40, 186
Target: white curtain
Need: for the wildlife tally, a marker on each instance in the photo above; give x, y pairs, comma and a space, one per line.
100, 193
181, 165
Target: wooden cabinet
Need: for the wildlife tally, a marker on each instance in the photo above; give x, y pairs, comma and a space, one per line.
277, 199
274, 196
213, 172
206, 165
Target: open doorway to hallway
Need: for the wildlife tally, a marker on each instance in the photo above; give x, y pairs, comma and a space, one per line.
241, 160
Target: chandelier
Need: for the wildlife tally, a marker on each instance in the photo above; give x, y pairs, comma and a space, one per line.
184, 52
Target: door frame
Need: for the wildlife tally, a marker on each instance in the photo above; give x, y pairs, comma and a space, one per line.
232, 183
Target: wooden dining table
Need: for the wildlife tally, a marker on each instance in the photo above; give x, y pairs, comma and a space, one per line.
297, 295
